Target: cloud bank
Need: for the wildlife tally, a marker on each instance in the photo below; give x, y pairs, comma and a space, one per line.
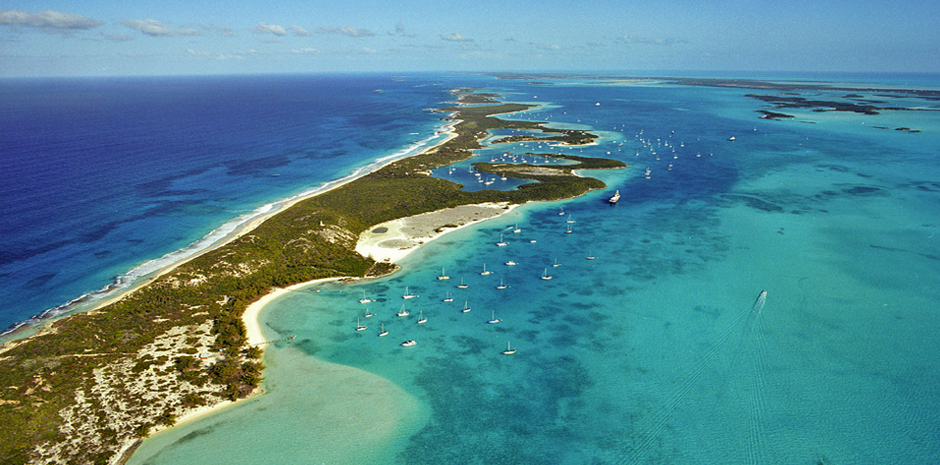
47, 19
155, 28
347, 31
263, 28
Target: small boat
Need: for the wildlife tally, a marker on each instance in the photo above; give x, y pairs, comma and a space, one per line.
462, 285
501, 285
421, 319
411, 342
731, 138
501, 242
443, 276
509, 350
562, 212
408, 295
556, 264
484, 272
448, 298
570, 221
402, 312
466, 308
359, 327
568, 231
515, 229
511, 263
615, 198
368, 314
545, 275
364, 299
532, 241
494, 320
590, 256
384, 332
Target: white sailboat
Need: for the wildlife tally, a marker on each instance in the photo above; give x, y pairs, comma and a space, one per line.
462, 285
443, 276
515, 229
384, 332
568, 231
421, 319
402, 312
448, 298
359, 327
368, 314
509, 350
570, 221
501, 285
501, 242
466, 308
494, 320
364, 299
545, 275
408, 295
590, 256
485, 272
556, 264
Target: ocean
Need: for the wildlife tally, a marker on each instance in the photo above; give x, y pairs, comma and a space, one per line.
767, 299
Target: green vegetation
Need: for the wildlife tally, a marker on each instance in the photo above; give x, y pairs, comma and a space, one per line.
161, 328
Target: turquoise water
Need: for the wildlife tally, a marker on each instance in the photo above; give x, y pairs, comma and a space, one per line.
654, 351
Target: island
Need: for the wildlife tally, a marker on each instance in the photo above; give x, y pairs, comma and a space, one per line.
87, 387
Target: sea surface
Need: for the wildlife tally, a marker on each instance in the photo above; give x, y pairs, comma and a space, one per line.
771, 299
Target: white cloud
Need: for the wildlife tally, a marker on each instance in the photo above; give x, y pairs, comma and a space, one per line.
305, 51
155, 28
47, 19
263, 28
347, 31
455, 37
650, 41
299, 30
197, 53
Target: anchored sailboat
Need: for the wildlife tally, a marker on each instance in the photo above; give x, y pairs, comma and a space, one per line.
384, 332
402, 312
421, 318
443, 276
359, 327
509, 350
494, 320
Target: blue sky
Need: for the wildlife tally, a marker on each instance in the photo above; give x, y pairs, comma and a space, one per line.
109, 37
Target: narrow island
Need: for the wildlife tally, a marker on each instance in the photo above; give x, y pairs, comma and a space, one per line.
89, 386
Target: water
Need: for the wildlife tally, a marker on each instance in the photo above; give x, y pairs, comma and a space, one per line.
656, 350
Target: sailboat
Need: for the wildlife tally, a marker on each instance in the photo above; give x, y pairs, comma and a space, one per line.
556, 264
494, 320
509, 350
545, 275
448, 298
501, 285
615, 198
402, 312
364, 299
384, 332
562, 212
466, 308
501, 242
462, 285
368, 314
408, 295
443, 276
590, 256
484, 272
515, 228
421, 318
359, 327
568, 231
570, 221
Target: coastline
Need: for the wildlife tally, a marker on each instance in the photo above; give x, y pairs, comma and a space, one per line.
25, 331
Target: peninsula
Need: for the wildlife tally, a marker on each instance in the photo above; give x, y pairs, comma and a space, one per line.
90, 385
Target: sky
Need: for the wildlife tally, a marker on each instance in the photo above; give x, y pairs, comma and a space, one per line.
194, 37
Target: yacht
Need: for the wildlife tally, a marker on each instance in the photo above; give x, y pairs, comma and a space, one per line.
511, 263
494, 320
411, 342
615, 198
402, 312
408, 295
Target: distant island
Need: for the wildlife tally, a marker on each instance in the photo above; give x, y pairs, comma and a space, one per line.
87, 387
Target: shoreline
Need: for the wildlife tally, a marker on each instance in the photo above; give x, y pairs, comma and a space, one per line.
25, 331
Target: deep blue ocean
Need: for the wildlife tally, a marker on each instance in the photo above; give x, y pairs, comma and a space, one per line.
771, 299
